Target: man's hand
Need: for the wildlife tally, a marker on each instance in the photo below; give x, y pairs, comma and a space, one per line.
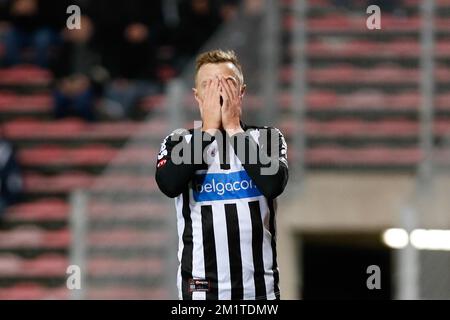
232, 103
210, 107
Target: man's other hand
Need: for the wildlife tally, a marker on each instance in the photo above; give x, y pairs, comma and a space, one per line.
232, 105
210, 107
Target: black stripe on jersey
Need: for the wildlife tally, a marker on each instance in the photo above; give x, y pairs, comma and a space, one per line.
234, 251
257, 245
186, 257
276, 276
209, 252
223, 145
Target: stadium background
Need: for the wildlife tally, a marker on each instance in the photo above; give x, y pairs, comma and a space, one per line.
365, 112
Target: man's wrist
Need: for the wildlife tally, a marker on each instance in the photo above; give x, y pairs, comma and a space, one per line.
234, 130
210, 131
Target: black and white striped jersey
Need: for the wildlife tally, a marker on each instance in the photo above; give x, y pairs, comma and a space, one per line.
225, 215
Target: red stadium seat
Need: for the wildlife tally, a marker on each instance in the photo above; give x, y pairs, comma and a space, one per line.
52, 155
32, 291
355, 128
25, 75
38, 183
347, 24
134, 210
127, 293
43, 210
368, 156
330, 4
125, 267
43, 266
443, 101
32, 237
11, 102
76, 129
68, 181
49, 265
35, 129
10, 265
126, 238
366, 48
124, 183
92, 154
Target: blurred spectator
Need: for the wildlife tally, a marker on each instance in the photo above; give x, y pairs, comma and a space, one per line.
199, 19
140, 43
228, 9
11, 184
128, 35
253, 7
30, 24
79, 75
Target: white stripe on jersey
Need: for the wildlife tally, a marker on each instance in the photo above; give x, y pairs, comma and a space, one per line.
267, 252
198, 262
245, 232
180, 227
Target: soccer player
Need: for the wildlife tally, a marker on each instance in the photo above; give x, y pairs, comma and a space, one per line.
225, 202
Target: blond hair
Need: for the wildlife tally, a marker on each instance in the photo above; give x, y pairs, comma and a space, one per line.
218, 56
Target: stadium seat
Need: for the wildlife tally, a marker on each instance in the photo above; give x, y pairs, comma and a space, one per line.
355, 128
33, 291
124, 238
47, 265
369, 49
125, 267
41, 210
133, 210
38, 183
127, 293
373, 156
25, 75
346, 24
33, 237
36, 103
76, 129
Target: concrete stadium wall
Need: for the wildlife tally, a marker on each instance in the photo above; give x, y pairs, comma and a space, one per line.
337, 202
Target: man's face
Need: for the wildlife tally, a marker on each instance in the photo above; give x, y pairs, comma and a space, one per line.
210, 71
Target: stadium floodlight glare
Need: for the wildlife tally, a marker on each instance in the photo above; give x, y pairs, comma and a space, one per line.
431, 239
396, 238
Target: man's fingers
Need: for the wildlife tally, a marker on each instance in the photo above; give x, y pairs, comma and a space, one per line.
208, 92
234, 86
224, 96
216, 92
212, 96
226, 89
